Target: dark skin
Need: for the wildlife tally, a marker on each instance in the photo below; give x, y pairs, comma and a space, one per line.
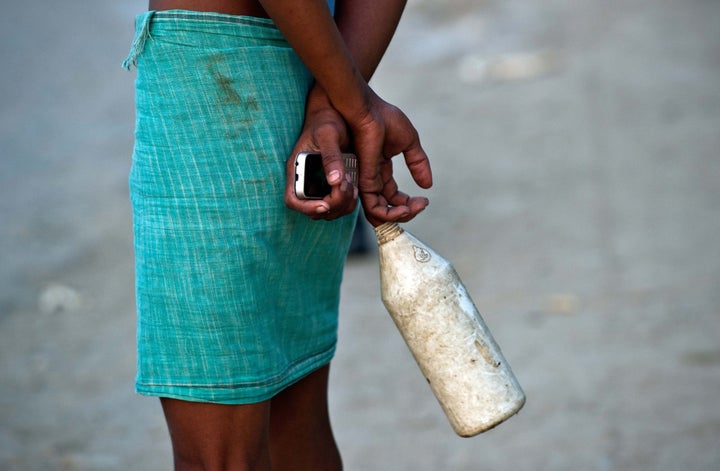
292, 430
230, 7
378, 129
289, 432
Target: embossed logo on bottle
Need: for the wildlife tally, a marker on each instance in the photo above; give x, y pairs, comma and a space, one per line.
421, 255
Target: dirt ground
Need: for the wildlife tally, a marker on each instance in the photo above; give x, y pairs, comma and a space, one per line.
577, 192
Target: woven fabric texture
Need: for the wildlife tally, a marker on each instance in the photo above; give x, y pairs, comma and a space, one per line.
237, 296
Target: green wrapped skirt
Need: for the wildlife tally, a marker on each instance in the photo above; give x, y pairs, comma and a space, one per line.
237, 296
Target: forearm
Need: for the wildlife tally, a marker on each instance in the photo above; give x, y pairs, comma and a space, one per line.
311, 31
367, 26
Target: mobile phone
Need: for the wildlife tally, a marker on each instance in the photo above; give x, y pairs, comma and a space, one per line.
310, 181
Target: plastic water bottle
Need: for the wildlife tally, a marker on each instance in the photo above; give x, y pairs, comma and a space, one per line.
451, 344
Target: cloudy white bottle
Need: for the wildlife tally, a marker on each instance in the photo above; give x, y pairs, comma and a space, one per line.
448, 338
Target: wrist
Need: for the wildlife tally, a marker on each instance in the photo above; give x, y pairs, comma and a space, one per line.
317, 99
355, 103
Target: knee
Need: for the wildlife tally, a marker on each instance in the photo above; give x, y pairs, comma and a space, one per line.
212, 437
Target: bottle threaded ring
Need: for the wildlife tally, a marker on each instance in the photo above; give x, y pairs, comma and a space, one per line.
387, 231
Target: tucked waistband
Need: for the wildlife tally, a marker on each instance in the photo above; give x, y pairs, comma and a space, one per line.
209, 17
200, 22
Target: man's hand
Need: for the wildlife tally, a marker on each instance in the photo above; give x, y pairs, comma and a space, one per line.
382, 133
325, 132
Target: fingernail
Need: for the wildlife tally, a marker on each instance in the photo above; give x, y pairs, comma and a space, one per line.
322, 209
334, 176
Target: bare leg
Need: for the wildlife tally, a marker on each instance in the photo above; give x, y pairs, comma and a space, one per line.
292, 431
301, 438
218, 437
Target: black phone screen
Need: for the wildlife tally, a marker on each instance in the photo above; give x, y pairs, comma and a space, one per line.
315, 184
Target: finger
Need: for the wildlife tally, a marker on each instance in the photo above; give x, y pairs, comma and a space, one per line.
378, 211
392, 204
328, 140
403, 209
333, 165
416, 205
291, 199
369, 152
343, 195
342, 199
389, 202
419, 165
316, 209
407, 142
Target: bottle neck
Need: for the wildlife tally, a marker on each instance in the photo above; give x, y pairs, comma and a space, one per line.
387, 231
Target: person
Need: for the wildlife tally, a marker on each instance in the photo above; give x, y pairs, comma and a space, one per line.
237, 280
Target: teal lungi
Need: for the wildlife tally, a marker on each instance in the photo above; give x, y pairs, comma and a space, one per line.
237, 296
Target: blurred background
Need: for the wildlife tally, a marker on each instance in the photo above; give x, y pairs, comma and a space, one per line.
576, 153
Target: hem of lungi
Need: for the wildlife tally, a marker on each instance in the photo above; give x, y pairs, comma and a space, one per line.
243, 393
